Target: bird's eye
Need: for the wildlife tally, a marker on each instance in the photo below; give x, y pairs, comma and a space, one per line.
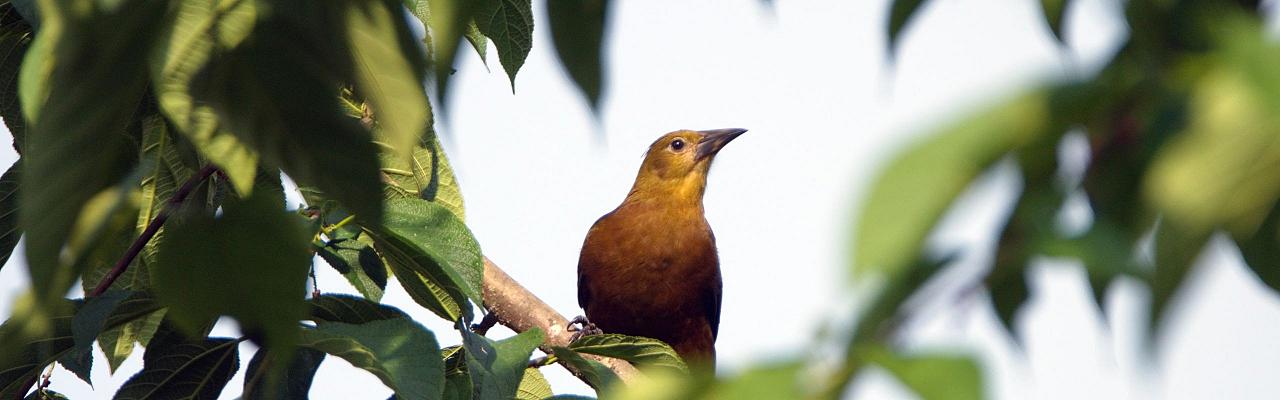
677, 144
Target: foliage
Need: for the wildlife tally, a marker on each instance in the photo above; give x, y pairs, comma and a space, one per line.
332, 94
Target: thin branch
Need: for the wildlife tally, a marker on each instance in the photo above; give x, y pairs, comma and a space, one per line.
517, 308
154, 226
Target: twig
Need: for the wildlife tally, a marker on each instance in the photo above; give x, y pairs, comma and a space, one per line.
154, 226
517, 308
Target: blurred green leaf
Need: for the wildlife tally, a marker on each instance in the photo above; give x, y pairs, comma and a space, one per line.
174, 367
533, 386
457, 382
80, 86
401, 353
390, 69
595, 373
251, 264
509, 23
932, 376
1054, 11
1176, 250
1261, 251
196, 33
295, 383
15, 38
350, 310
85, 327
432, 251
577, 28
914, 190
447, 22
356, 260
777, 381
900, 13
9, 230
644, 352
279, 92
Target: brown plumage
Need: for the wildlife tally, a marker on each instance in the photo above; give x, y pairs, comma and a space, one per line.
649, 268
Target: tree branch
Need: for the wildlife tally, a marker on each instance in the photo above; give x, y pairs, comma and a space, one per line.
516, 308
179, 196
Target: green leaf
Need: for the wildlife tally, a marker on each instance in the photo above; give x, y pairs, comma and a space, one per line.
427, 245
457, 382
577, 28
279, 92
644, 352
1176, 250
596, 374
1262, 250
389, 72
49, 337
9, 230
1054, 10
533, 386
194, 34
85, 327
1224, 170
357, 261
294, 384
497, 367
250, 264
509, 23
900, 13
427, 175
45, 394
769, 381
401, 353
446, 22
177, 368
351, 310
932, 376
478, 42
914, 190
80, 86
15, 38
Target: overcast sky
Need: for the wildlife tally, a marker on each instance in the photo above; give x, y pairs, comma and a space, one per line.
810, 81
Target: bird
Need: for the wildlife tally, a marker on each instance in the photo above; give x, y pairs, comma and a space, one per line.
650, 267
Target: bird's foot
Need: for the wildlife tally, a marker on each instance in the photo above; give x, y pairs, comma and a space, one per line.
581, 326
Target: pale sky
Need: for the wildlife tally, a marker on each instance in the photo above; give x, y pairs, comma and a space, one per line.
809, 79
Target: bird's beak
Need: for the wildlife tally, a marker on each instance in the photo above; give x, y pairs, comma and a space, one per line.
713, 140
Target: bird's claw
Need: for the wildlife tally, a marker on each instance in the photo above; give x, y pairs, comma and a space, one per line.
581, 326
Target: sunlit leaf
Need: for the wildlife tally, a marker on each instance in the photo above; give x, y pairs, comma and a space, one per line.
399, 352
390, 69
497, 367
356, 260
914, 189
426, 175
251, 264
509, 23
577, 28
195, 33
533, 386
769, 381
644, 352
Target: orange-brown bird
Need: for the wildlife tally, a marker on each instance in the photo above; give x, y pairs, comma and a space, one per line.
649, 268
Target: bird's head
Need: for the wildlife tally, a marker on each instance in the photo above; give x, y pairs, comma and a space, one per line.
676, 164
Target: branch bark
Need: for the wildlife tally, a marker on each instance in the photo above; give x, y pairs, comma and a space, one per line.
518, 309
